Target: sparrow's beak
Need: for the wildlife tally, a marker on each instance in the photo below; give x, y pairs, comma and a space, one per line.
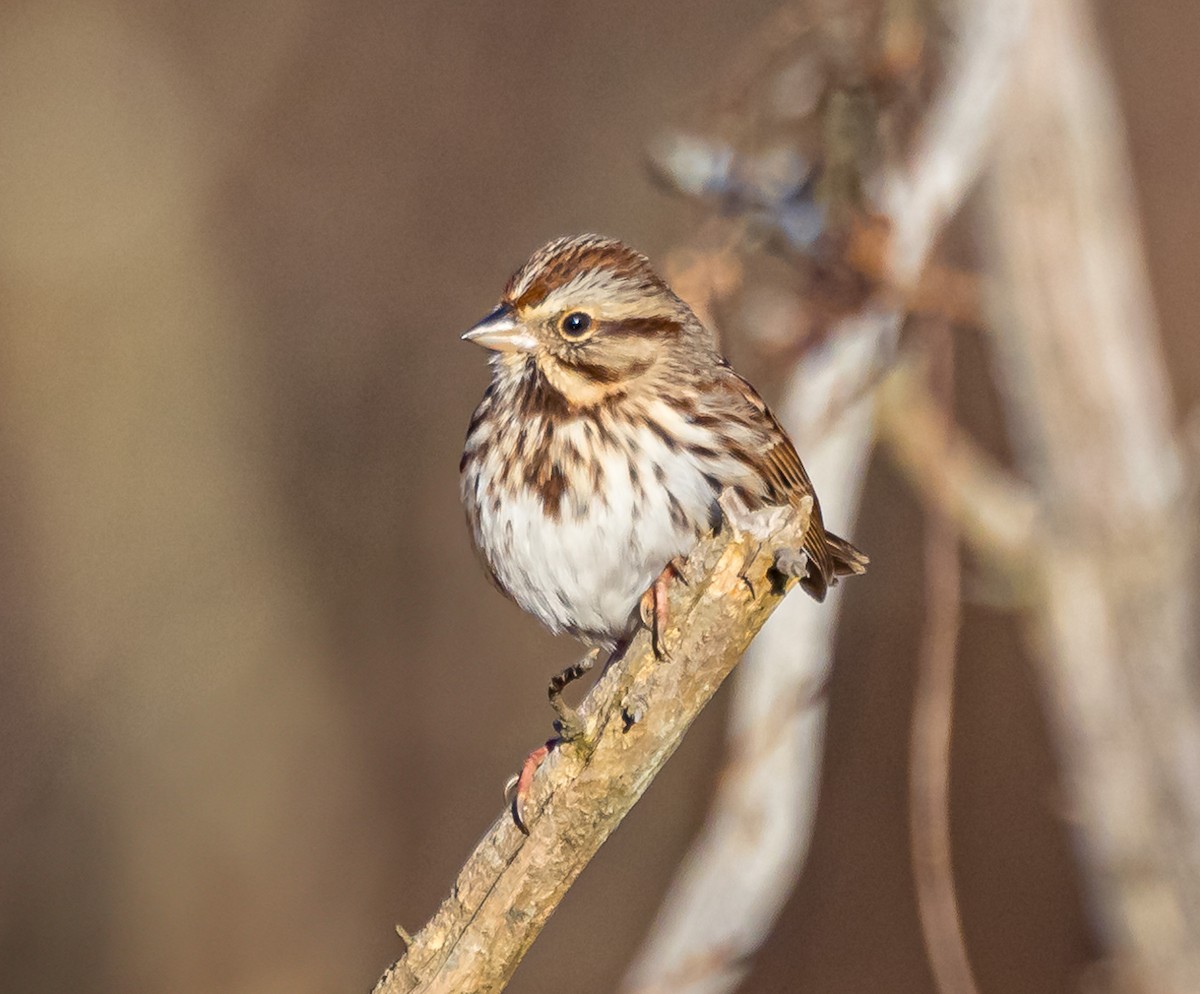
502, 332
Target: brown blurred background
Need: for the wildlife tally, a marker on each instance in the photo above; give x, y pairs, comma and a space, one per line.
257, 700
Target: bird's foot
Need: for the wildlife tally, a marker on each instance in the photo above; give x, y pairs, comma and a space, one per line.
570, 724
517, 788
656, 607
791, 564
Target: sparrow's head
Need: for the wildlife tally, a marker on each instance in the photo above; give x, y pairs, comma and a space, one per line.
592, 314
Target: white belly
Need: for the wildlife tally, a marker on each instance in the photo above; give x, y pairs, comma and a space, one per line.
585, 570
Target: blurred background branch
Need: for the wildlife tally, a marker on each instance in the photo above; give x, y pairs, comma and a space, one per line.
933, 710
1114, 617
750, 853
252, 672
1127, 721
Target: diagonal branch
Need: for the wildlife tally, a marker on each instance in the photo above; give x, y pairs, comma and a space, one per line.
635, 717
744, 864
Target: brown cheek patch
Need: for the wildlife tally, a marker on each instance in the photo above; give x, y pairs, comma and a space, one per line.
638, 367
608, 375
626, 369
596, 372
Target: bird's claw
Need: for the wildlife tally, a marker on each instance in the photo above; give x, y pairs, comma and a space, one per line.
517, 789
570, 726
655, 607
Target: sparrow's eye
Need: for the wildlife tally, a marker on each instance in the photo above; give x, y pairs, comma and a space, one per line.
575, 324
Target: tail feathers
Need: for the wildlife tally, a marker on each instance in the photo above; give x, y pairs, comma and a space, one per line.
844, 559
847, 560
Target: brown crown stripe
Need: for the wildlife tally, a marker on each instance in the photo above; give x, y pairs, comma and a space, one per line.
569, 260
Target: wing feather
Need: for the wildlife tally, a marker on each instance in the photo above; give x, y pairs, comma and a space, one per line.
785, 479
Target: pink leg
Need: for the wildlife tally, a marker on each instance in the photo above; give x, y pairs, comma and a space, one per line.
656, 607
528, 769
662, 606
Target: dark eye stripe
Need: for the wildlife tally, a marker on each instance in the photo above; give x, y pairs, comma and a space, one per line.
643, 327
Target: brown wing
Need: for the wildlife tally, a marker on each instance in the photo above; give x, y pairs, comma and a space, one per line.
787, 481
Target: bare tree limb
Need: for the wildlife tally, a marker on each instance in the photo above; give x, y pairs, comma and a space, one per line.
933, 714
956, 134
1088, 398
996, 512
744, 864
733, 884
635, 717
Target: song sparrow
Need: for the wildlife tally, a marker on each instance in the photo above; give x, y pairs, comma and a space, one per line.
609, 429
